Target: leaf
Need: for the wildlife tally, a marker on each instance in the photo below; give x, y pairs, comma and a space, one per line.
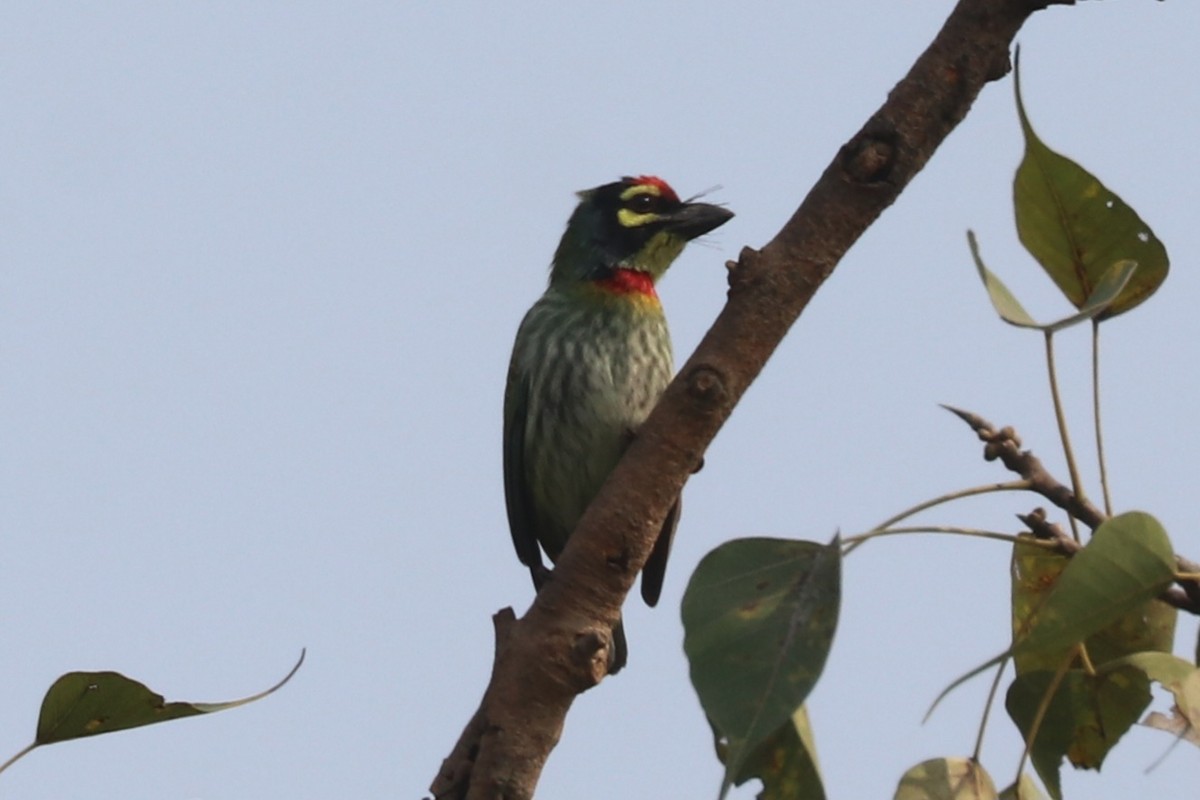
1148, 626
1035, 572
1106, 587
786, 763
1024, 789
82, 704
1077, 228
1128, 562
1182, 679
758, 617
1108, 288
946, 779
1084, 720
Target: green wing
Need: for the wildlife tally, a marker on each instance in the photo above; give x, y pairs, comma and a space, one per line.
516, 483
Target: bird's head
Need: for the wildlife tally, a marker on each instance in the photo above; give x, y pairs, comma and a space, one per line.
634, 227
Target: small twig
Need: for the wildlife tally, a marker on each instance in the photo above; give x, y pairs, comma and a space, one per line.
1005, 445
1050, 532
453, 779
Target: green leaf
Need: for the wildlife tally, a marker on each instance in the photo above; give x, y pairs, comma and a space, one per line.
1127, 563
786, 763
758, 617
1149, 626
1085, 719
946, 779
1077, 228
89, 703
1024, 789
1005, 303
1110, 285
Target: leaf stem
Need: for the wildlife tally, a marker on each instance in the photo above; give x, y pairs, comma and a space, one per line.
1096, 416
850, 542
1009, 486
1060, 416
23, 752
987, 710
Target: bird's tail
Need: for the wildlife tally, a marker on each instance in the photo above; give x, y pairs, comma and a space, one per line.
620, 654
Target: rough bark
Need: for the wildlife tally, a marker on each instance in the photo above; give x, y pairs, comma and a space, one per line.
558, 649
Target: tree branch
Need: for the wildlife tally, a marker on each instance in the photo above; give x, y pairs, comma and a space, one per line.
1004, 444
557, 650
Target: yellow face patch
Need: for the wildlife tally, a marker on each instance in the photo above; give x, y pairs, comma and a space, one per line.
658, 253
630, 218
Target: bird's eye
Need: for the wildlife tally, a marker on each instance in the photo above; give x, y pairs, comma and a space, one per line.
643, 203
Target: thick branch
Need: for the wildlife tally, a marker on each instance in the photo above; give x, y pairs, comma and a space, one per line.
551, 654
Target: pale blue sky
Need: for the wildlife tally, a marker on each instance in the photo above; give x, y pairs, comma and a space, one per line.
263, 263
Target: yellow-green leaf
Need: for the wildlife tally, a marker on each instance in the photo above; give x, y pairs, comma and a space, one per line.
786, 763
946, 779
1077, 228
1108, 288
1127, 562
1148, 626
1024, 789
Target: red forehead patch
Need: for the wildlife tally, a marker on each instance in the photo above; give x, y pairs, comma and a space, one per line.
664, 188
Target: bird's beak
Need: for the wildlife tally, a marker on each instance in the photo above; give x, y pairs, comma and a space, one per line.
697, 219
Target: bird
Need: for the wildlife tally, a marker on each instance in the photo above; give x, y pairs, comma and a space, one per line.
590, 360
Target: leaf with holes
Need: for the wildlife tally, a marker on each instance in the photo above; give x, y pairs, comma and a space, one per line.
82, 704
1182, 679
1077, 228
758, 617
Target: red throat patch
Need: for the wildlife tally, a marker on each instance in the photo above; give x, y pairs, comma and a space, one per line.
629, 281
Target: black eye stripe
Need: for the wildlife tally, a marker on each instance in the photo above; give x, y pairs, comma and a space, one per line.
644, 203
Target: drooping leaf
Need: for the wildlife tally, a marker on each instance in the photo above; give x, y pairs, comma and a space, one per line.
82, 704
946, 779
758, 617
1035, 572
1077, 228
1182, 679
1086, 717
1108, 288
1127, 562
786, 763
